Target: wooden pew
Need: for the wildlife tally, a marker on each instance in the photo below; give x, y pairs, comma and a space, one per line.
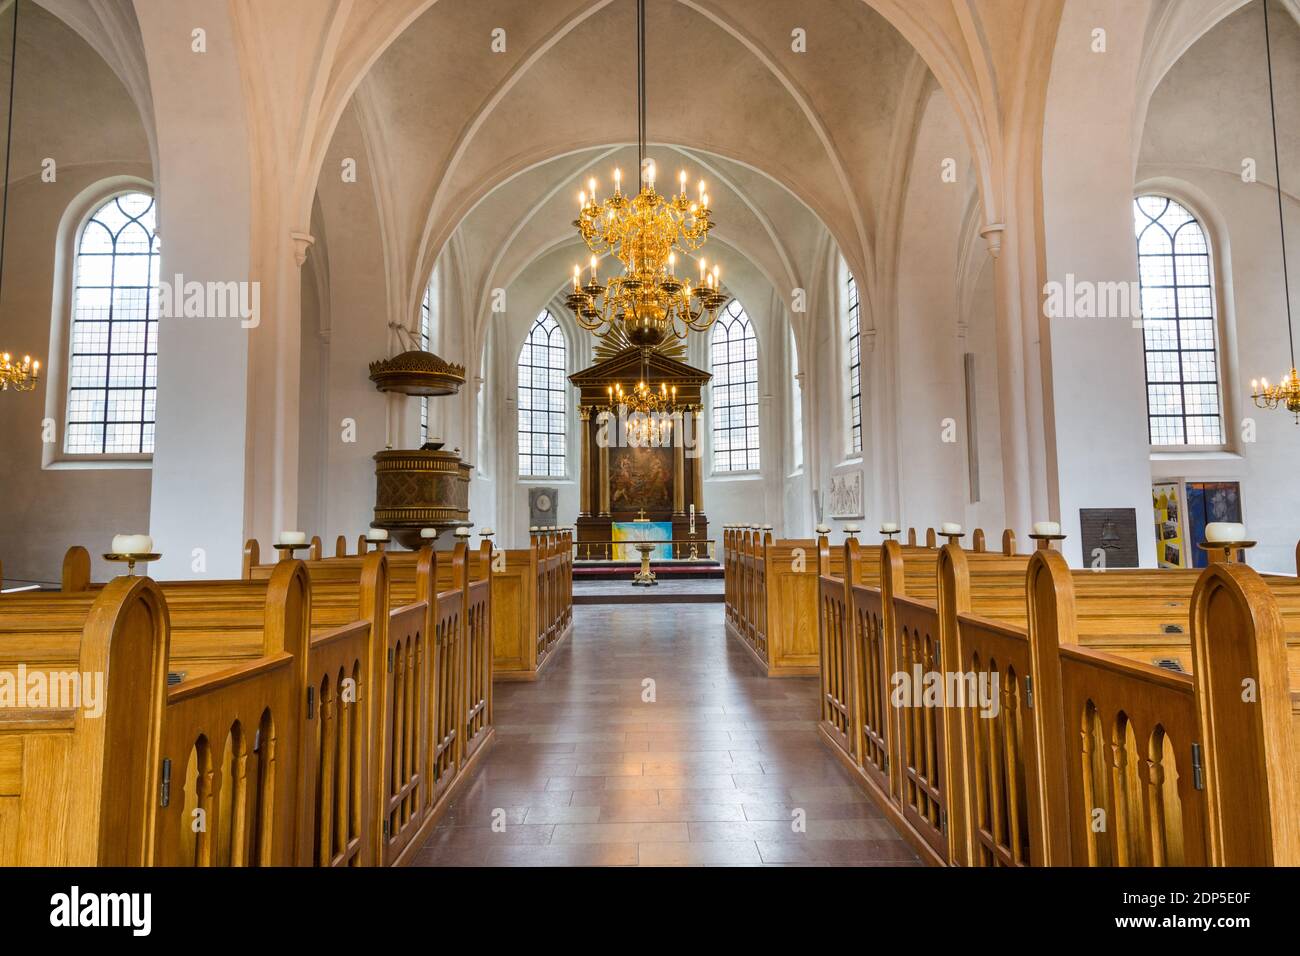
770, 594
532, 595
1077, 729
372, 779
436, 698
217, 624
78, 789
109, 795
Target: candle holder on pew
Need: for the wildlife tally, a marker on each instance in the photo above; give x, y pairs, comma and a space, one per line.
130, 560
954, 537
1045, 540
889, 530
1225, 552
379, 544
287, 548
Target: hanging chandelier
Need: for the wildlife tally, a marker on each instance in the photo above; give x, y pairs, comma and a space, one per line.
20, 376
645, 233
1286, 393
646, 412
643, 400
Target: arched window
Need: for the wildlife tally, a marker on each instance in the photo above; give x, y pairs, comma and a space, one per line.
1178, 325
735, 391
854, 327
113, 353
542, 364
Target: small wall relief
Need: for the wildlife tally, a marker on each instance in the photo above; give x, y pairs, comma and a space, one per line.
845, 496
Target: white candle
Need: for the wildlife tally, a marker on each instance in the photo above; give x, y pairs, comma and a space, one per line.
463, 532
377, 534
293, 537
1225, 531
132, 544
1047, 527
823, 529
486, 533
852, 528
949, 527
429, 533
889, 527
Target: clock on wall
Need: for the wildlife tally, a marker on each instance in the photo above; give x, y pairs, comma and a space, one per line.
541, 506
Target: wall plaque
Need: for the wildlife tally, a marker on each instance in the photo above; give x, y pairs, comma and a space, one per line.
1109, 537
542, 507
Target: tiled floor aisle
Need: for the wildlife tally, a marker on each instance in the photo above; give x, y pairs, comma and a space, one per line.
585, 773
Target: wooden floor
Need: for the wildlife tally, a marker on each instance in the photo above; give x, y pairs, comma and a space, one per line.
711, 773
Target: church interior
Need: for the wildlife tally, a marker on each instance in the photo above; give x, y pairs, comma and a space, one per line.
635, 433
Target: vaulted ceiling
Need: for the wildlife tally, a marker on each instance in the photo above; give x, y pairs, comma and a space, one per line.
494, 146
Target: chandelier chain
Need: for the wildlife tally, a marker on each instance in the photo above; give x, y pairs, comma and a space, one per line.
640, 87
9, 142
1277, 168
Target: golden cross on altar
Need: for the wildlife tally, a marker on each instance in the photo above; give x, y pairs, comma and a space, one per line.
641, 516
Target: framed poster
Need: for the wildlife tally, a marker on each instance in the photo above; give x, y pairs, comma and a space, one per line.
1171, 541
1110, 537
1209, 501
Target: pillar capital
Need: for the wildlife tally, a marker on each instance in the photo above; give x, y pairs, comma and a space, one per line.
992, 235
302, 241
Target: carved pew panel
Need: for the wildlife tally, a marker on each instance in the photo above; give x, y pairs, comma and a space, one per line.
1132, 787
78, 784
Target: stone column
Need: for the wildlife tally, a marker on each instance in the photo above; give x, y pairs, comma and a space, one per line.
604, 478
584, 471
679, 465
697, 468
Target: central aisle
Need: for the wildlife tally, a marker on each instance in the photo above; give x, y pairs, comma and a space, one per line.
584, 772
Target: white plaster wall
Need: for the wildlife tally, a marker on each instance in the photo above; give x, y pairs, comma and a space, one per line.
198, 498
1208, 114
929, 371
989, 512
72, 108
1097, 379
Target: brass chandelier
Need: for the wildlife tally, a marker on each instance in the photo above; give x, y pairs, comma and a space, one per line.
1286, 393
645, 233
643, 400
20, 376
